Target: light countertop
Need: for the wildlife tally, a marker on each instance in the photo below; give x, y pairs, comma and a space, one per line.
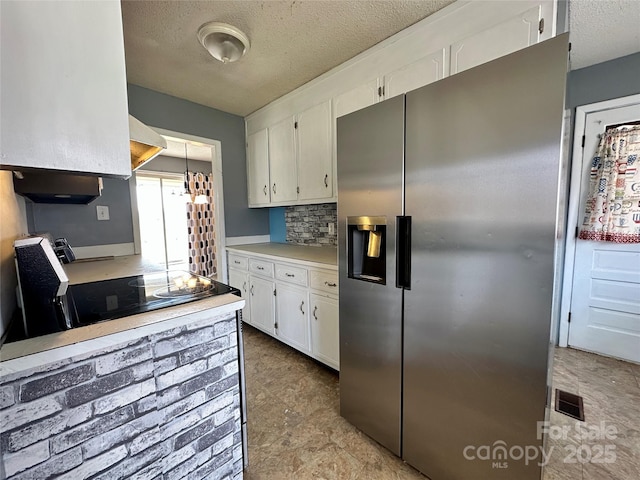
77, 340
71, 342
325, 257
84, 271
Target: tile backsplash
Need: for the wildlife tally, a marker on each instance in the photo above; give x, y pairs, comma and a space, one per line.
309, 224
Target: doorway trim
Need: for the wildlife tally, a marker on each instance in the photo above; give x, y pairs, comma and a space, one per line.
216, 169
574, 203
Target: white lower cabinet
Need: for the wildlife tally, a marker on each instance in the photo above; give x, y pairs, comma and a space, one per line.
240, 280
292, 307
325, 330
262, 304
295, 303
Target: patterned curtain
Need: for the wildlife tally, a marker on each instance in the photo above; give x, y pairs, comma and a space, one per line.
612, 211
201, 225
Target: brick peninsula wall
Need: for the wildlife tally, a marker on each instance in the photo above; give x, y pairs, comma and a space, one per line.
163, 406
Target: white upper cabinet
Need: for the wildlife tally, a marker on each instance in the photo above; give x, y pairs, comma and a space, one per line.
355, 99
258, 168
427, 70
282, 161
516, 33
63, 95
460, 36
315, 172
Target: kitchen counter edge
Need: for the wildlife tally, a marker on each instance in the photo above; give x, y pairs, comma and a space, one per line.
318, 257
33, 352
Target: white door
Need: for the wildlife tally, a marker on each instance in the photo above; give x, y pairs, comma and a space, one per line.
325, 341
605, 301
262, 304
282, 161
240, 280
415, 75
258, 168
315, 177
517, 33
292, 307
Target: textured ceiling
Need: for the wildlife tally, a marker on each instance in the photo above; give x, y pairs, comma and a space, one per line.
602, 30
293, 42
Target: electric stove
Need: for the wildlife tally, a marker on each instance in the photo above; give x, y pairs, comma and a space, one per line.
94, 302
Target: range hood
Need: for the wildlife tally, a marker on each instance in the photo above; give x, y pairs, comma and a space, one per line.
144, 143
53, 187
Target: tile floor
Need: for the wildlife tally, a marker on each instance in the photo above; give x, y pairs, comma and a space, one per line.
296, 432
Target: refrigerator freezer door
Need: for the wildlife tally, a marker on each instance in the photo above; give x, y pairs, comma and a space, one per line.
482, 167
370, 158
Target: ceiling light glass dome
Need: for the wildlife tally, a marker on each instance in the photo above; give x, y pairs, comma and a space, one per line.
224, 42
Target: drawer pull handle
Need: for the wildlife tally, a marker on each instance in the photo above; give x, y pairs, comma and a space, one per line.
244, 287
302, 307
265, 189
260, 268
274, 188
290, 275
326, 181
236, 262
330, 284
315, 309
252, 290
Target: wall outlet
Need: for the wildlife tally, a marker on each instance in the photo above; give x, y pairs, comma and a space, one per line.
332, 228
103, 212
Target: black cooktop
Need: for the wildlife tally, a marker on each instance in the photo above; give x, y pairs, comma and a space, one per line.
94, 302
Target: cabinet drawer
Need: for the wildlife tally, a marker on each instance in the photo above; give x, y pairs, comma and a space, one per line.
261, 267
325, 281
291, 274
238, 262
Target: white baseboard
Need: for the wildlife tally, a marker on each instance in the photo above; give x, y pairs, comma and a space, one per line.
112, 250
246, 240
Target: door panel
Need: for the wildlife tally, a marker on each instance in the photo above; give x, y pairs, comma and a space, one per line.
415, 75
356, 99
240, 280
481, 187
605, 301
514, 34
282, 161
324, 330
293, 316
370, 156
262, 304
315, 177
258, 168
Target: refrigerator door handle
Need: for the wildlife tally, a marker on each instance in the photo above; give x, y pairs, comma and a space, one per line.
403, 252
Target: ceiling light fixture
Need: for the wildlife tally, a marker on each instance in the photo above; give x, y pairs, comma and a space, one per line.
223, 41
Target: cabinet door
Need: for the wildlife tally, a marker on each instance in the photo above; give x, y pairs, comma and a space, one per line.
258, 168
415, 75
240, 280
315, 175
514, 34
282, 161
325, 330
64, 96
292, 313
356, 99
262, 304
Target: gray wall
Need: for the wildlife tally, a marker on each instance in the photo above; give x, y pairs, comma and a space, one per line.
171, 113
604, 81
79, 223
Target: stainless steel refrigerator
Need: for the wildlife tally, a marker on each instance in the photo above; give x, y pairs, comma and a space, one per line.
447, 222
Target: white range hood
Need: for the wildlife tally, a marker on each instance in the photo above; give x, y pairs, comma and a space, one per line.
144, 143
